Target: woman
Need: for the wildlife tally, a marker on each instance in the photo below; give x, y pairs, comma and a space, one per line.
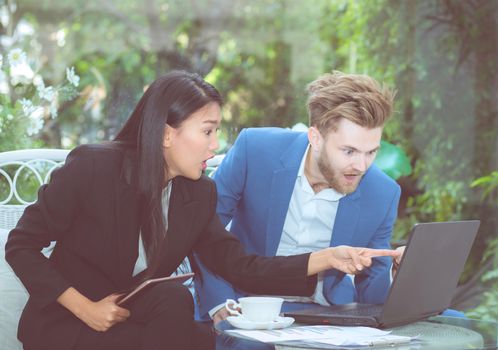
144, 189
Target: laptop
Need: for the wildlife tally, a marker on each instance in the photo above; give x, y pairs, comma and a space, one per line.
423, 286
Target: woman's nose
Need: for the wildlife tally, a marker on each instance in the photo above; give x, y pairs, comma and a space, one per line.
213, 146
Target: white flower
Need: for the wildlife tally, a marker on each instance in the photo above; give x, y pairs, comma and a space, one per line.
46, 93
5, 40
72, 77
1, 60
27, 107
34, 126
38, 81
16, 57
61, 37
24, 29
4, 83
21, 73
35, 121
53, 108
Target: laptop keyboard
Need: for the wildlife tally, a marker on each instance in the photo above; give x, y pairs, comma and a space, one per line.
363, 310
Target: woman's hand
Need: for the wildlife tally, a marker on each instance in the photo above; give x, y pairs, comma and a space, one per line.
350, 260
100, 315
104, 314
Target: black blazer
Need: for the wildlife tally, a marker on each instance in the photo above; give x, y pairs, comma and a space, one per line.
90, 208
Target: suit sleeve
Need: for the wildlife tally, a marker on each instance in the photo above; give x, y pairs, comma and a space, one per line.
222, 253
373, 285
48, 219
230, 179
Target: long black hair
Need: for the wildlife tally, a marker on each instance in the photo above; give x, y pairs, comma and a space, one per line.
171, 99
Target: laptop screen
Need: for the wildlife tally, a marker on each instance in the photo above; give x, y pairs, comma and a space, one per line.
429, 271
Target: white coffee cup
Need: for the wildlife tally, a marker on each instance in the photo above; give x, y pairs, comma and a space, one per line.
255, 309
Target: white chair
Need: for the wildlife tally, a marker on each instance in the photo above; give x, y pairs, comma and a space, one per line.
17, 168
21, 174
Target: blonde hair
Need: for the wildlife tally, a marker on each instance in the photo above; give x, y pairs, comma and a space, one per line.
358, 98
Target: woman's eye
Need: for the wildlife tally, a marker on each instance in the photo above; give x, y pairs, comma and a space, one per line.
210, 131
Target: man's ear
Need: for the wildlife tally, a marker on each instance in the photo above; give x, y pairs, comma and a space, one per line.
315, 138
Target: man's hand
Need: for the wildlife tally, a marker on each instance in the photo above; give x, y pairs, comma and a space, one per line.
220, 315
397, 259
353, 260
350, 260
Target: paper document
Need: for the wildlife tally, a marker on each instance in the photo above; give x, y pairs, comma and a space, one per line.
389, 339
331, 335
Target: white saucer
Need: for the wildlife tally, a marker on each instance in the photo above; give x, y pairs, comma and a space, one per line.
278, 323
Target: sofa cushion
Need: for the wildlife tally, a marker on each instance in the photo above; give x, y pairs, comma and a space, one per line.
13, 297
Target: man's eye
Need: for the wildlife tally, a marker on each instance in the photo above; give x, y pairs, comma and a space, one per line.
208, 132
348, 152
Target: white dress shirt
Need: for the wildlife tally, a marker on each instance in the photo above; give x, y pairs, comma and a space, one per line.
308, 225
141, 263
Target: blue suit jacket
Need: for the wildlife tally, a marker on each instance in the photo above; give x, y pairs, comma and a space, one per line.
255, 183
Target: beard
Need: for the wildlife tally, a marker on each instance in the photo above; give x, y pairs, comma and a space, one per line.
335, 178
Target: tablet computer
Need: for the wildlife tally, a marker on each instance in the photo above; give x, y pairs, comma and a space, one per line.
127, 297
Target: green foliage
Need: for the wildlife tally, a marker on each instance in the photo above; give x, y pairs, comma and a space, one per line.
12, 128
488, 308
393, 160
489, 183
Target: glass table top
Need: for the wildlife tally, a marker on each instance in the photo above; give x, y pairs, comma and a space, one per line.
436, 333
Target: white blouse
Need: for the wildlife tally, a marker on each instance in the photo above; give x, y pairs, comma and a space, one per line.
141, 263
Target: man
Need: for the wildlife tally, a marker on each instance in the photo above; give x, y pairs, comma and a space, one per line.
289, 192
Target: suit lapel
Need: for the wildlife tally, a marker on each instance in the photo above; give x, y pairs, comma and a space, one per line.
282, 186
181, 211
346, 220
281, 191
127, 220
